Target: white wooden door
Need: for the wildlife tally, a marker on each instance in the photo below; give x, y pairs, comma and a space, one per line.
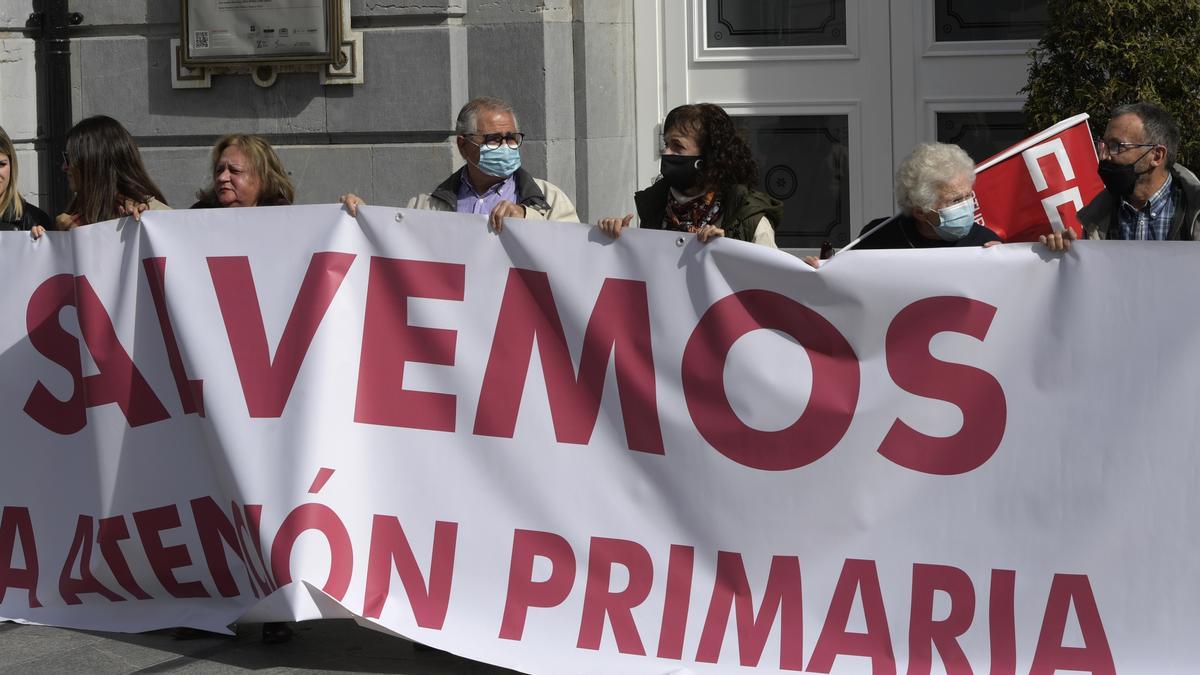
833, 93
957, 69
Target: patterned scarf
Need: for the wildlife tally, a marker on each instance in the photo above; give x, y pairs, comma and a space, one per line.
693, 214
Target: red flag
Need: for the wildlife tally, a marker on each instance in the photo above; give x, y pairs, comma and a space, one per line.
1036, 186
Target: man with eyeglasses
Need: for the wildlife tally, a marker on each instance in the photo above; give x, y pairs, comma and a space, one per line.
1146, 195
492, 181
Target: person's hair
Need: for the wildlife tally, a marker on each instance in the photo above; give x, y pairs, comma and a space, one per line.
726, 159
926, 169
10, 199
108, 169
468, 117
276, 188
1159, 127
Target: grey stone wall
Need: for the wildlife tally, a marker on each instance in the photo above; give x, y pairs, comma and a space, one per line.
18, 94
605, 135
565, 65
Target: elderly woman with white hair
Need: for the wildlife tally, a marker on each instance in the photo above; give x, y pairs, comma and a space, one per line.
935, 191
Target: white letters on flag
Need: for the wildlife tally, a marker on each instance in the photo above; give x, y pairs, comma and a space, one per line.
1036, 186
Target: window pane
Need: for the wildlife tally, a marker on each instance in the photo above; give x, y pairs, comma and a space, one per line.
803, 161
966, 20
775, 23
981, 134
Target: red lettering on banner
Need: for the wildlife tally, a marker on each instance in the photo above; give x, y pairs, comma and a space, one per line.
600, 601
191, 392
390, 550
253, 564
47, 336
119, 380
267, 382
858, 577
389, 342
680, 568
70, 588
924, 633
1002, 622
16, 527
164, 560
111, 533
523, 592
254, 527
835, 381
619, 325
976, 392
341, 553
781, 598
1051, 655
216, 531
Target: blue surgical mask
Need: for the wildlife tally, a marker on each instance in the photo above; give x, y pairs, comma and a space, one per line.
501, 162
955, 221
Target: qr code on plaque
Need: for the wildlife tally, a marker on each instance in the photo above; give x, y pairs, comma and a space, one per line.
200, 39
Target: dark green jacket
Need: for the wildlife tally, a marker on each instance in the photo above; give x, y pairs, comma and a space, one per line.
1099, 217
741, 209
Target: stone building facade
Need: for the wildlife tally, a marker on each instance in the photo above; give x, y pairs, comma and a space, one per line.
566, 66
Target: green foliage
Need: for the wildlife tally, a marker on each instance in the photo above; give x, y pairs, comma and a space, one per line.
1097, 54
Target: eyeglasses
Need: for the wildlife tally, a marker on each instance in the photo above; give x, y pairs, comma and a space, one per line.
494, 141
956, 200
66, 158
1114, 148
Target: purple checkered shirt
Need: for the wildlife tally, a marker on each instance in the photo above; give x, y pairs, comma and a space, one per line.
470, 201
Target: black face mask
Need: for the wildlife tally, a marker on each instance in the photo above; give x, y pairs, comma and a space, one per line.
1120, 179
680, 171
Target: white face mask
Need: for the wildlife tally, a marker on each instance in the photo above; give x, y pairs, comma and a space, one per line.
955, 221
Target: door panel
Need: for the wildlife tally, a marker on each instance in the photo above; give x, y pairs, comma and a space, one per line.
736, 23
803, 162
976, 20
981, 134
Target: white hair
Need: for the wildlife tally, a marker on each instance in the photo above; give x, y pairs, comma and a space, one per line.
468, 117
926, 169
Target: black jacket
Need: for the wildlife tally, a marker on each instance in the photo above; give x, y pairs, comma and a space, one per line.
30, 216
901, 232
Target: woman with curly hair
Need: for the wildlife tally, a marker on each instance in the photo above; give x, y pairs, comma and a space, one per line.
105, 171
246, 172
707, 183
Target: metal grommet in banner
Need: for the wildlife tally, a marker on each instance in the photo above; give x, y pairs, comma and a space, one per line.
399, 217
679, 241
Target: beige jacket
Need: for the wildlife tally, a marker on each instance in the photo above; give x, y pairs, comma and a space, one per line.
542, 200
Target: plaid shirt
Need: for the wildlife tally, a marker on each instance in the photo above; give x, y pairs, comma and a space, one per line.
1152, 221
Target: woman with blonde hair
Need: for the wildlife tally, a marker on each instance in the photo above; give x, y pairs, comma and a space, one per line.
105, 171
245, 172
15, 212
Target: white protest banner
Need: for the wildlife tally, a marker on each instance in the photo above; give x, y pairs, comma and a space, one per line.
561, 453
